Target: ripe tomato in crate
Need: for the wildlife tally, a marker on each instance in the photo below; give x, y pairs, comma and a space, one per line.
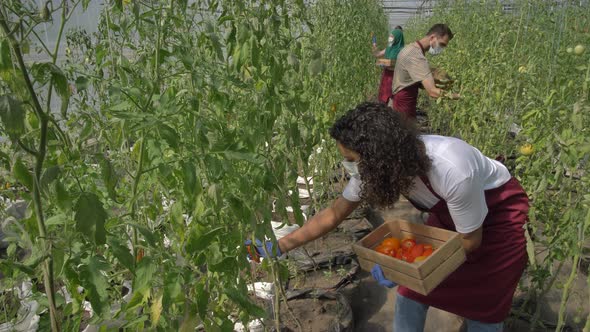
421, 275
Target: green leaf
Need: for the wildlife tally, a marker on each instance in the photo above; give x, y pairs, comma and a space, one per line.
202, 300
121, 252
60, 83
226, 265
47, 71
12, 115
176, 214
172, 289
5, 57
148, 235
58, 219
49, 176
63, 198
7, 265
109, 176
95, 283
247, 156
137, 299
86, 130
190, 180
241, 300
4, 160
198, 241
169, 135
90, 217
58, 256
156, 309
22, 174
82, 83
144, 274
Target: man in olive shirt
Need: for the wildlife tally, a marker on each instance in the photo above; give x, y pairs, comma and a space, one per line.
413, 71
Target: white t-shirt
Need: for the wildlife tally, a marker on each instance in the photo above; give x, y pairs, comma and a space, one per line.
459, 174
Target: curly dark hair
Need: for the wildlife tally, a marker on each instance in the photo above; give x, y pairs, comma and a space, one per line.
391, 153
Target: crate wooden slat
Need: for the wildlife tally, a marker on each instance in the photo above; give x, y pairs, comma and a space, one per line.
422, 276
385, 63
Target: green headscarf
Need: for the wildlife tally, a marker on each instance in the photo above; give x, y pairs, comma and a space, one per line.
392, 50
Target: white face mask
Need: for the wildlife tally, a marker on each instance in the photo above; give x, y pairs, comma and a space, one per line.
390, 39
436, 49
352, 167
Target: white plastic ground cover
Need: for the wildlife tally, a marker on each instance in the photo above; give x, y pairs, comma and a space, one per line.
303, 193
27, 319
113, 324
265, 291
304, 209
283, 231
301, 180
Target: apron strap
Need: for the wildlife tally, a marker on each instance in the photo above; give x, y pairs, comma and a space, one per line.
429, 186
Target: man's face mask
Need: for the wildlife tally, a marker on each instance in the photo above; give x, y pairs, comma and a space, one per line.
352, 168
435, 48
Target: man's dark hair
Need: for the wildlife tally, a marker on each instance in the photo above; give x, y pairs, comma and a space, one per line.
440, 30
398, 27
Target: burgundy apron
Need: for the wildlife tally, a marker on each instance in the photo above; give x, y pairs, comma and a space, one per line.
385, 87
405, 100
482, 288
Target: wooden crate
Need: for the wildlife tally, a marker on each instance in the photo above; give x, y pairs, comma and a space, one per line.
423, 276
385, 63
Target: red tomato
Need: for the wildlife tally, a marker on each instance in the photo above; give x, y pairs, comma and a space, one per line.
408, 258
385, 250
408, 244
428, 246
398, 253
391, 242
417, 250
427, 252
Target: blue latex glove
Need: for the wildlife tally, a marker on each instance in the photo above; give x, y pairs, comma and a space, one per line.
377, 273
273, 251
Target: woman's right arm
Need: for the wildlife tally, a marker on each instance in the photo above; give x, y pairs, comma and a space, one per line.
320, 224
379, 54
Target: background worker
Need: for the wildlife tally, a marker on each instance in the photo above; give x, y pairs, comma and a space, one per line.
412, 70
395, 45
462, 189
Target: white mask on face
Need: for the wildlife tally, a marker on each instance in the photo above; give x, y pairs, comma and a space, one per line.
352, 167
435, 49
390, 39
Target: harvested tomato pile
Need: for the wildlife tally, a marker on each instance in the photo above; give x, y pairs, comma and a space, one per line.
406, 250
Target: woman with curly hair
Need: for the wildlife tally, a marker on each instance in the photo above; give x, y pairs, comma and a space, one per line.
463, 190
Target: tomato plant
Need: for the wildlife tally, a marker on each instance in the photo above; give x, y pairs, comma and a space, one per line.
151, 149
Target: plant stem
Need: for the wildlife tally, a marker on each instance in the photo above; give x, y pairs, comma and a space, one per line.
579, 247
587, 325
539, 296
135, 188
39, 159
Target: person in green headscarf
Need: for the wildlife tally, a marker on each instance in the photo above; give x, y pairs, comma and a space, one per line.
394, 46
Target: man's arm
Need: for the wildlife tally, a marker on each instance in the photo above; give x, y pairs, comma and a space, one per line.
435, 92
320, 224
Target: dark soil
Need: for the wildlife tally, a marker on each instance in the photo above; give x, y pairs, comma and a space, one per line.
327, 250
315, 315
323, 279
